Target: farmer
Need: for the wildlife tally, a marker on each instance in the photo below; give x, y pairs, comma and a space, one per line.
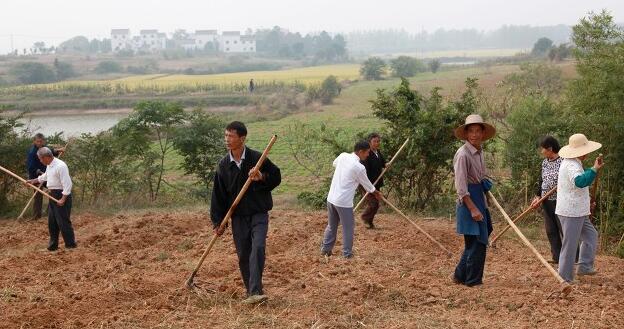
573, 206
36, 168
252, 86
374, 164
349, 173
60, 185
473, 216
549, 147
250, 221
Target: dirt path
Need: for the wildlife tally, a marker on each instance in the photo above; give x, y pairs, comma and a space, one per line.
129, 270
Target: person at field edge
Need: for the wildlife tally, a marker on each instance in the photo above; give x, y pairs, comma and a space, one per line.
549, 147
36, 168
471, 184
252, 86
250, 220
374, 164
574, 207
60, 187
349, 173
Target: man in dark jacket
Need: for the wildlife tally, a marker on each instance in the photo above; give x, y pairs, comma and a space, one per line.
36, 168
374, 164
250, 220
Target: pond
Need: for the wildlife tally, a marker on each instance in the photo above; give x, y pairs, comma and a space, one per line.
71, 124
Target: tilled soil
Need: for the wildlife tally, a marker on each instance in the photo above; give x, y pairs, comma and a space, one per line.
129, 272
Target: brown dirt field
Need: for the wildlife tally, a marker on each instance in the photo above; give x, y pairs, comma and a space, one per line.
129, 270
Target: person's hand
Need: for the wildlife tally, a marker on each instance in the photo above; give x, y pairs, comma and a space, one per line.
61, 202
598, 163
33, 181
535, 203
476, 215
256, 176
218, 231
377, 194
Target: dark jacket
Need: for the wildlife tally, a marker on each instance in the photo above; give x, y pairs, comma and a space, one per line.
229, 180
374, 165
32, 162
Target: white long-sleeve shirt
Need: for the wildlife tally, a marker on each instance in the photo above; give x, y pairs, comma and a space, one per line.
57, 176
348, 175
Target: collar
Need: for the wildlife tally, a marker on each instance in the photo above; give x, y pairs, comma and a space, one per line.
473, 150
54, 162
242, 155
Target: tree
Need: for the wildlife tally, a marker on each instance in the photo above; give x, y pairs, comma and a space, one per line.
434, 65
405, 66
12, 142
79, 44
373, 68
541, 47
32, 73
419, 177
559, 53
104, 67
151, 122
200, 142
63, 70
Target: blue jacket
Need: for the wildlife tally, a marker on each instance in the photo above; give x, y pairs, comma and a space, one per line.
468, 226
33, 164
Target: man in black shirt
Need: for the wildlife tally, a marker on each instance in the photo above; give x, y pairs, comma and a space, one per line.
374, 164
250, 220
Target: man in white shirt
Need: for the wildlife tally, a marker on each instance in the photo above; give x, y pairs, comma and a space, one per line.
60, 184
349, 173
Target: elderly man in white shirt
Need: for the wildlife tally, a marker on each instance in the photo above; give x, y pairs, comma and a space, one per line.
348, 175
60, 185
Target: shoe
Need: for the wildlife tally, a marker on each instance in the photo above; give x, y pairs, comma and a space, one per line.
347, 256
52, 248
370, 226
455, 280
326, 253
587, 273
255, 299
71, 246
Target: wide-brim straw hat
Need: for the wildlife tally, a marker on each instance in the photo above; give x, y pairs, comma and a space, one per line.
490, 131
578, 145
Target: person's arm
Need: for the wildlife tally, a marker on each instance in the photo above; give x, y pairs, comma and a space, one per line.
42, 178
585, 179
538, 192
66, 182
362, 178
218, 201
270, 176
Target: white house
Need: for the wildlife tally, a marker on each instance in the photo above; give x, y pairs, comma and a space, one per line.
121, 39
248, 43
203, 37
152, 40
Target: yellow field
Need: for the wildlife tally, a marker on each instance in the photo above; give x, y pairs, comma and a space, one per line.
165, 82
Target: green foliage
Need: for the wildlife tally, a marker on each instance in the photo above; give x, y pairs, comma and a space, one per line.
428, 122
64, 70
200, 142
328, 90
541, 47
32, 73
13, 146
104, 67
373, 68
78, 44
534, 79
596, 107
150, 121
434, 65
406, 66
560, 52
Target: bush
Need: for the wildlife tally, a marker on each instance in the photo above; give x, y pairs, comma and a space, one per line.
373, 69
13, 146
104, 67
434, 65
64, 70
32, 73
405, 66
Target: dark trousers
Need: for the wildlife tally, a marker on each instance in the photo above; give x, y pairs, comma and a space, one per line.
59, 221
372, 206
38, 203
250, 234
469, 271
553, 228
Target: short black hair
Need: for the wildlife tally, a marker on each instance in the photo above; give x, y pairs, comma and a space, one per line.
550, 142
361, 146
38, 135
237, 126
373, 135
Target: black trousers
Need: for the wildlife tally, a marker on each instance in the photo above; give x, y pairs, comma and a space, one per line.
38, 203
250, 234
553, 228
469, 271
59, 221
372, 206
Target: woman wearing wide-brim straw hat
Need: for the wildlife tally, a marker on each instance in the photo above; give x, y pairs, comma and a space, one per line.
473, 217
573, 206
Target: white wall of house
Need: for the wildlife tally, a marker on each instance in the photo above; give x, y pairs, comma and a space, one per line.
121, 39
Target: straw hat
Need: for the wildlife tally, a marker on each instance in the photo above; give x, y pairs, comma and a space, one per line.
490, 131
578, 145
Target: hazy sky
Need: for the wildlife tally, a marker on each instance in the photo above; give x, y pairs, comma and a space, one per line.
56, 20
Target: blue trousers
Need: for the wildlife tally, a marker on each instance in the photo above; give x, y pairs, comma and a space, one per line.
469, 271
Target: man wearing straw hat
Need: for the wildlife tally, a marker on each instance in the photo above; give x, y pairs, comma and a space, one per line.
473, 217
60, 185
573, 206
